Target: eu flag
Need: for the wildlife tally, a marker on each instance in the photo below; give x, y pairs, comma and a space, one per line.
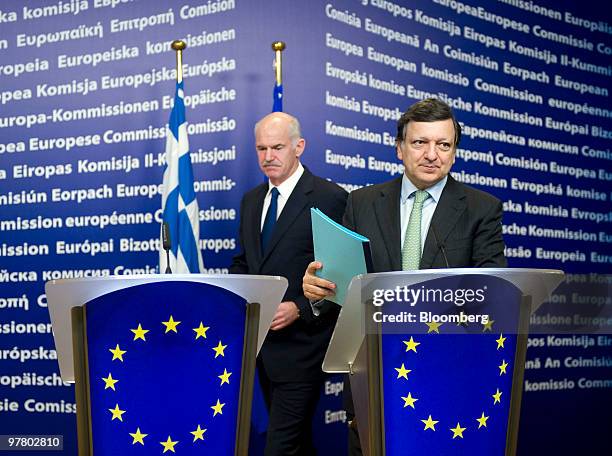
165, 365
277, 102
447, 387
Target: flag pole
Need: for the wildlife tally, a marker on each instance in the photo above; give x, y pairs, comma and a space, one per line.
278, 47
179, 46
277, 95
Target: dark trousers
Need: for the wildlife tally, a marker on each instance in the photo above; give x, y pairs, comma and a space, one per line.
353, 444
291, 407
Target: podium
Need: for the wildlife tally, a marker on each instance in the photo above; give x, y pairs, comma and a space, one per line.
436, 357
162, 363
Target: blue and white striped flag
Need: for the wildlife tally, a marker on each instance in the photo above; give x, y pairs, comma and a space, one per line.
179, 204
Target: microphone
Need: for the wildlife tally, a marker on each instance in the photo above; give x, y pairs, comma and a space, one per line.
457, 309
442, 248
440, 245
167, 244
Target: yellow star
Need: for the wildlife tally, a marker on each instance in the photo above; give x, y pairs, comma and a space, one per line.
497, 396
430, 424
411, 344
170, 326
502, 367
457, 431
488, 326
117, 353
482, 421
433, 327
500, 341
139, 333
138, 437
219, 349
225, 376
201, 330
169, 445
109, 382
462, 323
402, 371
198, 434
218, 408
409, 401
117, 412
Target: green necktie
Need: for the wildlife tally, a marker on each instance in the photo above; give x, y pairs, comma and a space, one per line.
411, 250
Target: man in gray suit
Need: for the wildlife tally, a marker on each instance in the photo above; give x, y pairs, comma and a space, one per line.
424, 219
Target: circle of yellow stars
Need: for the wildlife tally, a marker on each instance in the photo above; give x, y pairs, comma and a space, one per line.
169, 326
410, 401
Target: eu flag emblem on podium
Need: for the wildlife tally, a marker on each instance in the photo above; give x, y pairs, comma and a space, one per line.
426, 412
164, 372
447, 387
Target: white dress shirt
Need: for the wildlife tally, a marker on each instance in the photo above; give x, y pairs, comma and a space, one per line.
284, 192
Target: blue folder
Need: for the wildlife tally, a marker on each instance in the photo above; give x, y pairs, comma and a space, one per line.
343, 253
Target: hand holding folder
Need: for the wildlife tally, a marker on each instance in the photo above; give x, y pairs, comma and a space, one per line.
343, 253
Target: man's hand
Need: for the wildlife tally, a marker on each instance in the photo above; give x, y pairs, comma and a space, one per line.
286, 314
315, 288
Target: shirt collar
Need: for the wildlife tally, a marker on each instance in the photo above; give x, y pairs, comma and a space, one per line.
408, 189
289, 184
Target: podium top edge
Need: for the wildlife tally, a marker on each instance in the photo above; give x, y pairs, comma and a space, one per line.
165, 278
463, 271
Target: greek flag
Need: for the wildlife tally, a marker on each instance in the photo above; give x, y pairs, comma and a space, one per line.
179, 204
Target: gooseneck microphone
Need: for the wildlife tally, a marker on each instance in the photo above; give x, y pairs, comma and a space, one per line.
167, 244
440, 245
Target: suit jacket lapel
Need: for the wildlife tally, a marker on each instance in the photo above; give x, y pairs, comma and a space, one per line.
387, 210
252, 221
293, 208
450, 207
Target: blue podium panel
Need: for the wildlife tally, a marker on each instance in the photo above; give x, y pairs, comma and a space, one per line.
447, 388
165, 363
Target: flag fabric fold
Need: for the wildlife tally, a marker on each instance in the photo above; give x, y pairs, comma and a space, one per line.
277, 102
179, 203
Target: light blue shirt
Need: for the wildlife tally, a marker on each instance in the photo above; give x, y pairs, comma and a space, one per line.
429, 207
406, 203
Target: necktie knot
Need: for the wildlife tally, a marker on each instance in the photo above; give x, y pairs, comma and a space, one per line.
411, 250
420, 196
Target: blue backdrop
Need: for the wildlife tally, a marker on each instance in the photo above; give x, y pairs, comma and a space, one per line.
85, 93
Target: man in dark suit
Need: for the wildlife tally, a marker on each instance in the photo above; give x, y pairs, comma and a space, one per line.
424, 219
276, 239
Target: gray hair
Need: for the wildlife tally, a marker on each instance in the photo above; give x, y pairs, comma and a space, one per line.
293, 125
